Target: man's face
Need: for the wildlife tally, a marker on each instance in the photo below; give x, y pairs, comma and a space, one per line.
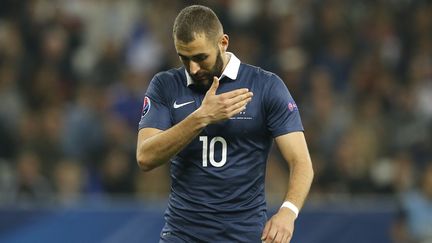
202, 59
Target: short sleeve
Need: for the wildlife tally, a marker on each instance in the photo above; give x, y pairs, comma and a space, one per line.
155, 111
282, 114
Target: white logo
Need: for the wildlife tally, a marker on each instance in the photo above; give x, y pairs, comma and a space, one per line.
241, 116
182, 104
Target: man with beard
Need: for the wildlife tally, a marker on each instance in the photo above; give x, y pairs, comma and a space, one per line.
215, 119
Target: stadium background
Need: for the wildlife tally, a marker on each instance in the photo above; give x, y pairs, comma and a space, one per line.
73, 75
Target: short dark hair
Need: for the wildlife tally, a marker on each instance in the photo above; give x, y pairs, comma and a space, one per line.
196, 19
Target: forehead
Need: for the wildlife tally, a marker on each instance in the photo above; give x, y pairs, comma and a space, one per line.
201, 44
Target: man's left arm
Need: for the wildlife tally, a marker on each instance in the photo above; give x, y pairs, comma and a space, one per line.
294, 149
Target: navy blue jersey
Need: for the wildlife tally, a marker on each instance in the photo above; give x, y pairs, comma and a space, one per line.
217, 192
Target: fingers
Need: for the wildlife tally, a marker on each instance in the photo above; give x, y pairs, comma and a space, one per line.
273, 236
242, 97
278, 237
266, 231
237, 103
225, 105
238, 100
236, 111
287, 238
214, 86
239, 107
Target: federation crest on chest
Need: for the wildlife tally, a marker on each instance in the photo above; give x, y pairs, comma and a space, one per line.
243, 115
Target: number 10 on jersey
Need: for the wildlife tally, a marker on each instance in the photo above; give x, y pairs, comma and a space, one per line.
209, 149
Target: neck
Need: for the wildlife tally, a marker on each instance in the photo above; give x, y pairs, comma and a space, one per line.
225, 59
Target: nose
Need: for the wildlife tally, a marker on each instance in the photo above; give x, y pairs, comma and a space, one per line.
194, 67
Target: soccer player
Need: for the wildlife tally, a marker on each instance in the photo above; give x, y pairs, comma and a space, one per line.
215, 119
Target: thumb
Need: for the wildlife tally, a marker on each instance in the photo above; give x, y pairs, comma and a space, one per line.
214, 86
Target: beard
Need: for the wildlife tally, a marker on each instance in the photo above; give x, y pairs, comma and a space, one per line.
203, 79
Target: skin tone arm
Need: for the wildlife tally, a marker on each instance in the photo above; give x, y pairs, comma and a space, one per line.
294, 149
155, 147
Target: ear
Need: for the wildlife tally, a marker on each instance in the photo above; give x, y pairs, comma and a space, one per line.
224, 42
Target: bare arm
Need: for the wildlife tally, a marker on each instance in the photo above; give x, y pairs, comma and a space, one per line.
294, 150
156, 147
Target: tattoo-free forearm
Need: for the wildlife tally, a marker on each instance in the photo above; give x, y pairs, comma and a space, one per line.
294, 149
157, 149
301, 176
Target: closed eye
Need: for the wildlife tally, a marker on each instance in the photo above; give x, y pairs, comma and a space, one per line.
183, 58
199, 58
196, 58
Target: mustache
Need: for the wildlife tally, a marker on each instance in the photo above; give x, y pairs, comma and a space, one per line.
200, 76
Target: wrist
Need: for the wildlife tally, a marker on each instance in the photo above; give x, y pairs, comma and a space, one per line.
201, 118
289, 205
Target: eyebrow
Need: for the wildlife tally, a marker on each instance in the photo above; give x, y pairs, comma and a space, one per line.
194, 56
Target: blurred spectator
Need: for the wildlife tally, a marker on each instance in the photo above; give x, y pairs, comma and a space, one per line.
108, 67
11, 102
153, 185
31, 186
421, 81
417, 205
104, 22
7, 182
69, 179
117, 173
398, 231
395, 174
325, 113
124, 97
82, 134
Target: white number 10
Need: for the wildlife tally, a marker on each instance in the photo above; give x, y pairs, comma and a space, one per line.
205, 151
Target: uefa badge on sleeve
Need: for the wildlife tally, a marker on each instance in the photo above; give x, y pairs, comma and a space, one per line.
292, 106
146, 106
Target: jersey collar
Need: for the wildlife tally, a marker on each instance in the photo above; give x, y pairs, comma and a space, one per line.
231, 69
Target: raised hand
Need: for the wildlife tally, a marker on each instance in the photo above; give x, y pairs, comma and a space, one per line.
223, 106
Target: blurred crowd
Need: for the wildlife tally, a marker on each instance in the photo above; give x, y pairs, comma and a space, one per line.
73, 75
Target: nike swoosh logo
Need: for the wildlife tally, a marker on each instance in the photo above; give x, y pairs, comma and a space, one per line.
182, 104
